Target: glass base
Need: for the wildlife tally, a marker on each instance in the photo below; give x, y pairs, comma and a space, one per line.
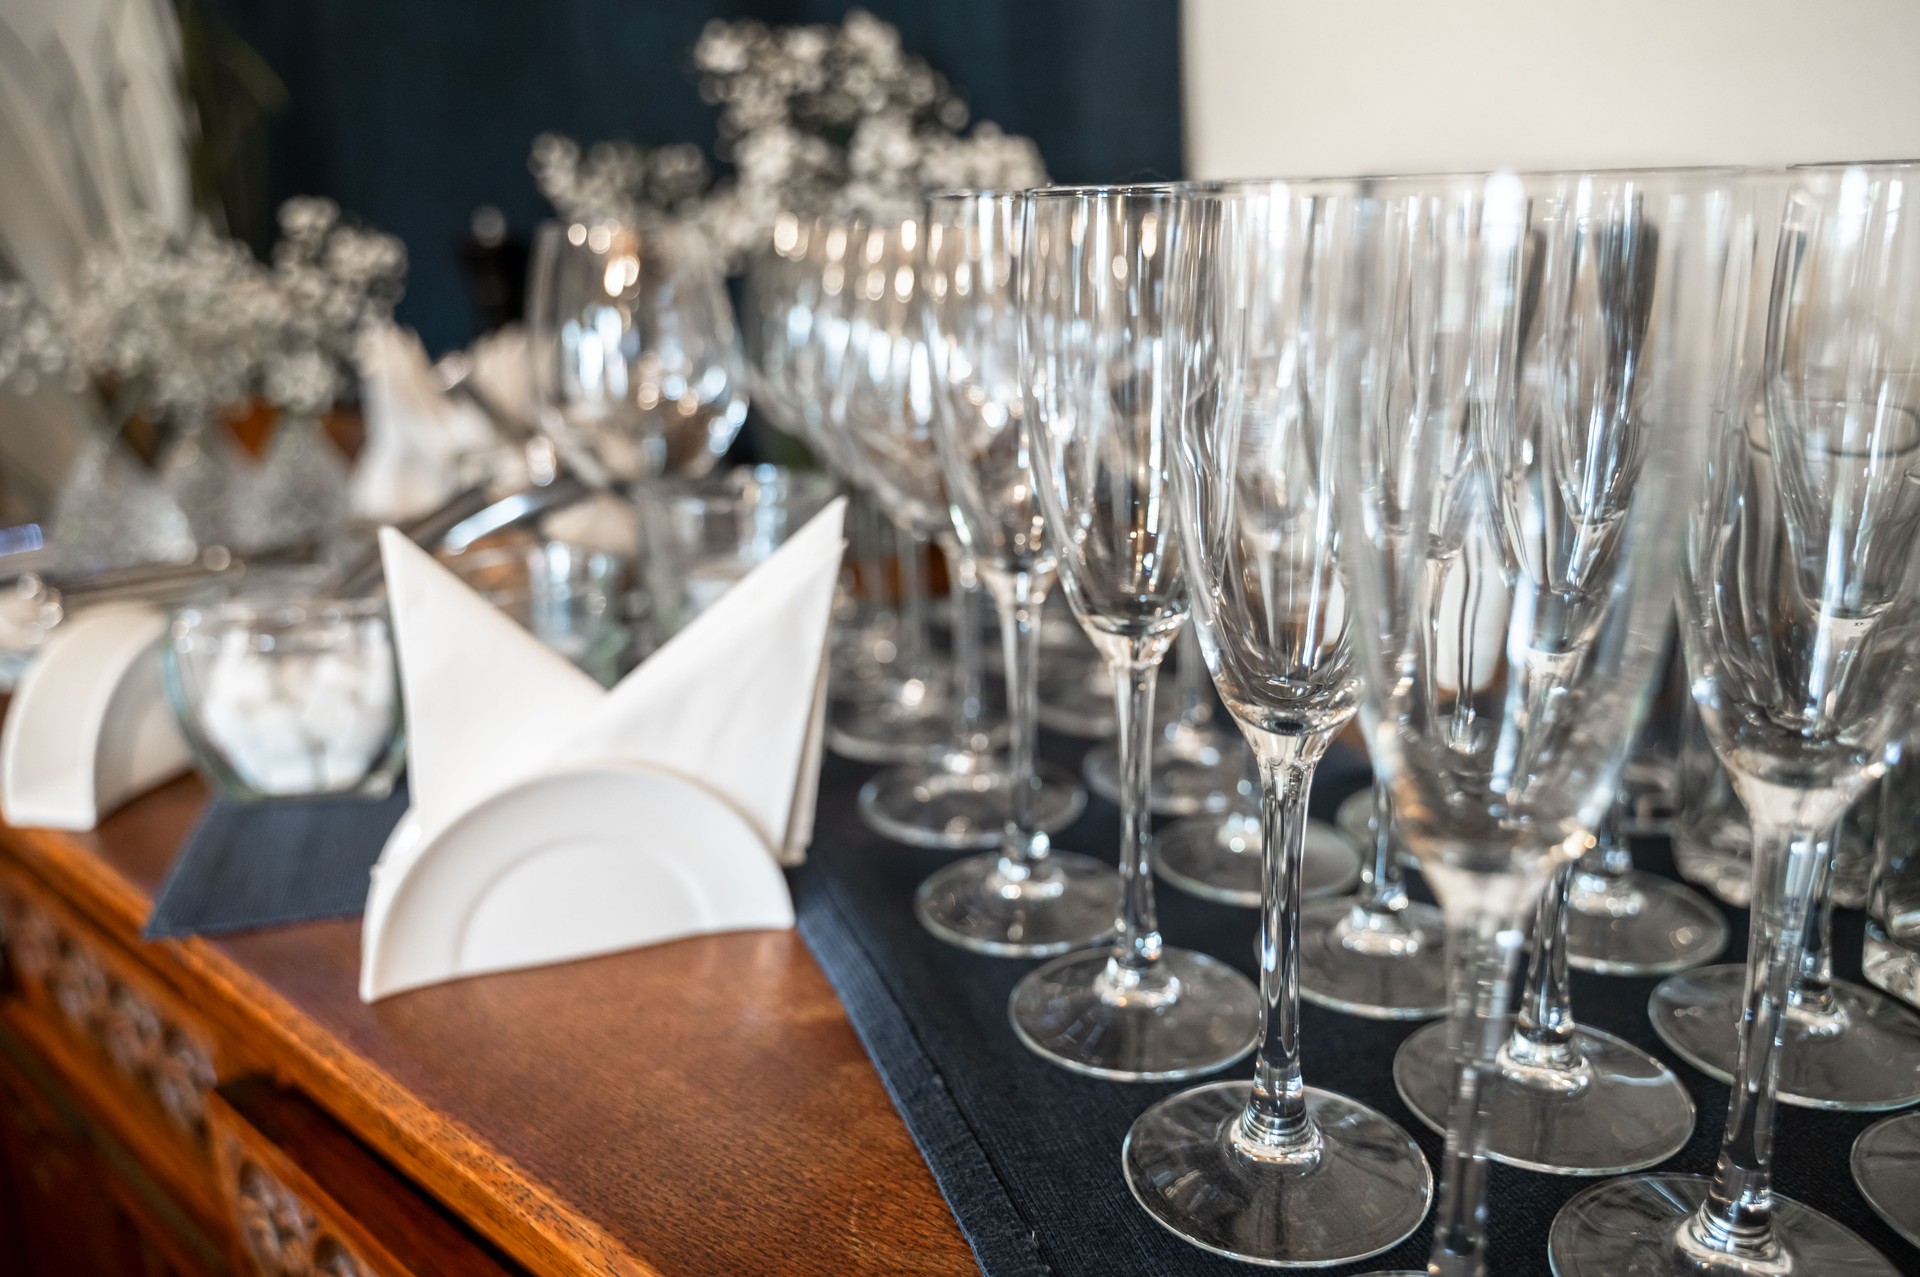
894, 722
1393, 969
1886, 1166
1070, 903
1368, 1188
1081, 1013
1890, 965
960, 809
1623, 1111
1076, 696
1218, 858
1863, 1056
1718, 860
1354, 819
1195, 769
1631, 1227
1640, 925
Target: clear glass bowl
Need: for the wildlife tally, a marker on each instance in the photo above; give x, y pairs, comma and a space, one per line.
283, 694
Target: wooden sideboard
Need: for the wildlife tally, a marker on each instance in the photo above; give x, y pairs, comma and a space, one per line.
229, 1105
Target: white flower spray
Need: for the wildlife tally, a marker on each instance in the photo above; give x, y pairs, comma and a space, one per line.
815, 120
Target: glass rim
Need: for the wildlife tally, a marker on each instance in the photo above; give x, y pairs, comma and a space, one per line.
956, 194
1165, 189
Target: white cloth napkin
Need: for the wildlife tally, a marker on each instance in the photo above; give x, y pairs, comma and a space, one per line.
724, 720
417, 435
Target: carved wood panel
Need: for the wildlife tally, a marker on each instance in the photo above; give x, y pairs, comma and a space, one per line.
122, 1019
279, 1233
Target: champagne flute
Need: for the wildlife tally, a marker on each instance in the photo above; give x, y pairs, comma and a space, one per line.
884, 398
1561, 1096
1024, 899
1801, 597
1094, 361
1265, 374
1509, 522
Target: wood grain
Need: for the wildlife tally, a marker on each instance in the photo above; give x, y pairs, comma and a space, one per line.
701, 1107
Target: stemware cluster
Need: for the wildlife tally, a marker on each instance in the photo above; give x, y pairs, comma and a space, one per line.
1438, 459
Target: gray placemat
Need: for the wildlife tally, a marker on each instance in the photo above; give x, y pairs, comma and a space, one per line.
267, 864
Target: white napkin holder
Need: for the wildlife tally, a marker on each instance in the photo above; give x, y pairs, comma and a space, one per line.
89, 727
553, 819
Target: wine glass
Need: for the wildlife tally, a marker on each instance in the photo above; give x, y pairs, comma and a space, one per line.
884, 399
1264, 355
1094, 363
1886, 1166
1506, 488
1843, 1046
1802, 604
635, 361
1023, 899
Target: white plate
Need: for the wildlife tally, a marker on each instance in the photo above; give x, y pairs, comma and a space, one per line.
589, 860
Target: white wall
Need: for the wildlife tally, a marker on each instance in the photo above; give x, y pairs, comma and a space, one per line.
1297, 87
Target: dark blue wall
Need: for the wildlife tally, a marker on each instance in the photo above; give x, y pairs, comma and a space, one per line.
412, 113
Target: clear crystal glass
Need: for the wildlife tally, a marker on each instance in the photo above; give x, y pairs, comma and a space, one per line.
635, 360
1801, 602
1264, 358
1510, 500
1094, 360
1024, 898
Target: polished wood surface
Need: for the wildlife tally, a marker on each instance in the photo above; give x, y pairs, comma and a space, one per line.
702, 1107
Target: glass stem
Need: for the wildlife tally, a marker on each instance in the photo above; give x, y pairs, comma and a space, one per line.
969, 670
1812, 991
1136, 961
1275, 1125
1543, 1022
1019, 597
1383, 889
1483, 948
1192, 683
870, 567
1737, 1217
914, 646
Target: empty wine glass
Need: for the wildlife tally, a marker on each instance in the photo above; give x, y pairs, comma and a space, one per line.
635, 361
1264, 375
1802, 605
1510, 486
1093, 301
1886, 1166
884, 399
1023, 899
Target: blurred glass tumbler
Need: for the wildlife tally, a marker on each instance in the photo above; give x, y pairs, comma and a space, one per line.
1891, 958
284, 694
702, 535
564, 594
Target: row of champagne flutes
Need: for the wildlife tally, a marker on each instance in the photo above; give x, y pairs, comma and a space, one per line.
1424, 449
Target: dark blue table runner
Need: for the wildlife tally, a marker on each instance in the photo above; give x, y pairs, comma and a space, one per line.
1028, 1154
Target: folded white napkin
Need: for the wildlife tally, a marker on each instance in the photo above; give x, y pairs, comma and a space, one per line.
553, 819
89, 727
417, 435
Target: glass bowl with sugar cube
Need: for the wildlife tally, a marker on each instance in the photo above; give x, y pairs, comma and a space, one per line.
283, 692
